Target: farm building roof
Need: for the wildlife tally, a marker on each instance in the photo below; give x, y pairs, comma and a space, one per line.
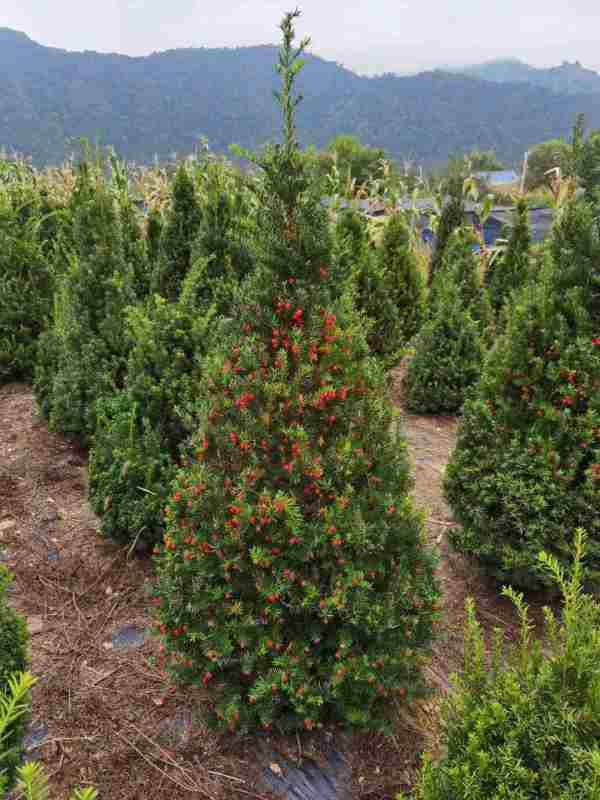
540, 219
498, 177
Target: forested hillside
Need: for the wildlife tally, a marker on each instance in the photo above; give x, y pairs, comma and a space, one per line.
165, 102
566, 78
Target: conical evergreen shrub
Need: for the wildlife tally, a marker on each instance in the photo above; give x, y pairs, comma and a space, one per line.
389, 287
405, 282
449, 349
526, 725
510, 272
141, 429
84, 356
294, 580
451, 218
224, 230
351, 250
178, 235
448, 357
463, 260
25, 280
352, 229
526, 467
154, 229
135, 246
223, 241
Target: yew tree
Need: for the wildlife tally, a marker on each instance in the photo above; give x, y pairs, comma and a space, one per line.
526, 468
450, 346
293, 580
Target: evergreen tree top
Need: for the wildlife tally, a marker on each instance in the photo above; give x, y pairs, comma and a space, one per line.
292, 236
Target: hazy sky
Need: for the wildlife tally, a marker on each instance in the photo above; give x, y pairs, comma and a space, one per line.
365, 35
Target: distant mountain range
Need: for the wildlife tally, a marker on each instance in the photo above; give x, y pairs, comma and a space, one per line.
570, 78
163, 103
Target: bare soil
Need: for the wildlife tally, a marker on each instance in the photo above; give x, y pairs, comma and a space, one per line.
112, 719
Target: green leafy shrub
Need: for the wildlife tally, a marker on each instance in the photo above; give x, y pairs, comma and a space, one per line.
45, 367
154, 228
141, 429
31, 780
451, 218
128, 463
223, 242
526, 463
352, 230
33, 785
512, 270
449, 349
25, 281
178, 235
294, 579
135, 247
527, 725
13, 659
351, 247
404, 281
223, 232
389, 287
83, 357
463, 263
588, 166
15, 704
447, 360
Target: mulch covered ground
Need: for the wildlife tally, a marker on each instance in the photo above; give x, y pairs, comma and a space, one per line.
103, 714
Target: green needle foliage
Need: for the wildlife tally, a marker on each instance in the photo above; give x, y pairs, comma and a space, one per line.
527, 461
588, 166
83, 357
389, 288
224, 231
449, 348
451, 217
404, 280
141, 429
353, 257
464, 264
14, 706
294, 580
178, 235
512, 270
527, 725
33, 785
448, 357
25, 277
154, 228
31, 780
